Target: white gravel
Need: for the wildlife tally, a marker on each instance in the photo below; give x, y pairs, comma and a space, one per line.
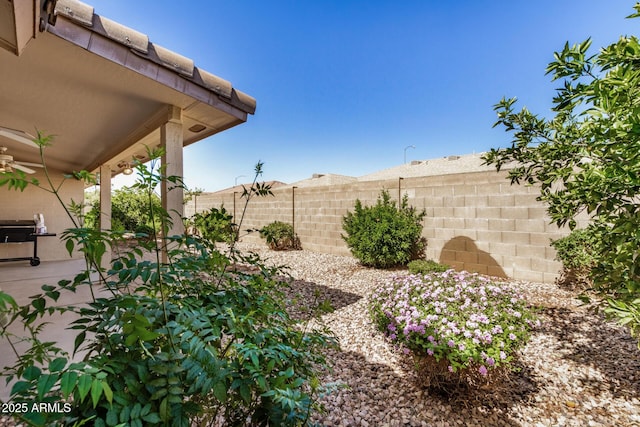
577, 370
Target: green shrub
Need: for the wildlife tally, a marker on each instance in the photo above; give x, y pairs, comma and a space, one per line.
215, 225
383, 235
460, 327
421, 266
129, 211
578, 252
177, 343
280, 236
6, 304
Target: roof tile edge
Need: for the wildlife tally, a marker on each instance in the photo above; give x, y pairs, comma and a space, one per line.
124, 35
76, 11
84, 14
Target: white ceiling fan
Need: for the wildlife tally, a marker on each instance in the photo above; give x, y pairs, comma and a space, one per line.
18, 135
7, 164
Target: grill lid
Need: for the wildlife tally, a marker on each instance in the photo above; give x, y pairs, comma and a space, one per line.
17, 223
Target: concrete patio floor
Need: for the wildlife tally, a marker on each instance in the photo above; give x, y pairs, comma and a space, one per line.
21, 281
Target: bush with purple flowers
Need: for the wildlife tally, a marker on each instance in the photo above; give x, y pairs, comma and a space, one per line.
459, 326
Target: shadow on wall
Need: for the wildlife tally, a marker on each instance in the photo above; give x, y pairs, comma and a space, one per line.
462, 253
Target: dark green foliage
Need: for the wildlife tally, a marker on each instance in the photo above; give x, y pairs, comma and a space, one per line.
215, 225
178, 343
178, 349
280, 236
586, 158
422, 266
578, 252
129, 211
383, 235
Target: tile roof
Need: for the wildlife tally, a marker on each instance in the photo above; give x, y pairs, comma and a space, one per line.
466, 163
139, 44
318, 180
240, 187
439, 166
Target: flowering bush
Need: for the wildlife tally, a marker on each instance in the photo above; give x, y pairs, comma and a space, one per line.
459, 326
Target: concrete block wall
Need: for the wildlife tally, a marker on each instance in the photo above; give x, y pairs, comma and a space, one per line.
474, 221
479, 222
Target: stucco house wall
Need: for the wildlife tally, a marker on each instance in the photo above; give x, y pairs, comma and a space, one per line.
16, 204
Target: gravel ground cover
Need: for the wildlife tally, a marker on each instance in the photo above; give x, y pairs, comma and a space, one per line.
577, 370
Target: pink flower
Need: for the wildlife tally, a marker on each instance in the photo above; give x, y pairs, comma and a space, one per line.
483, 370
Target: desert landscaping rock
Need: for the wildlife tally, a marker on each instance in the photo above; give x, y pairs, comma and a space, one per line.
577, 370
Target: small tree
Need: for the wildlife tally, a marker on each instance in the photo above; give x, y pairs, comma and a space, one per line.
184, 342
587, 158
384, 235
129, 210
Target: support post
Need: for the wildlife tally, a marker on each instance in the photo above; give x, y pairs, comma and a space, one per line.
173, 195
105, 208
234, 206
293, 209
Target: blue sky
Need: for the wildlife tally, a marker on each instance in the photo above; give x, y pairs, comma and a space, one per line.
344, 86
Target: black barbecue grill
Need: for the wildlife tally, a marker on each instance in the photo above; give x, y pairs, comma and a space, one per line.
20, 231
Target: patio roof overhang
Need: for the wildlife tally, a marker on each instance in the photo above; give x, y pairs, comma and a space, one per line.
104, 90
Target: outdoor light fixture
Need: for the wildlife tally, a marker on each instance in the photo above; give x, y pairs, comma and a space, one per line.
126, 168
197, 128
18, 135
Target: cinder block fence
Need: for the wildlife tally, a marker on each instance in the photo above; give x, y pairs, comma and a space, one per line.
475, 221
